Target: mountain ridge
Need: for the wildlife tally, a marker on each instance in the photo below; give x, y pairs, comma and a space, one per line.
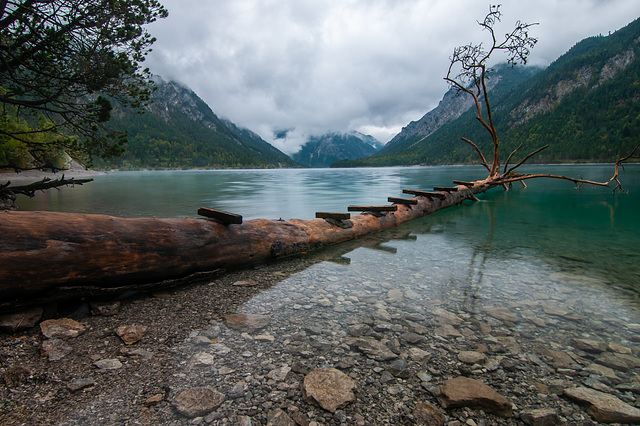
179, 130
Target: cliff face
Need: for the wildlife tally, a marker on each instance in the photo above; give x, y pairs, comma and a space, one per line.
589, 76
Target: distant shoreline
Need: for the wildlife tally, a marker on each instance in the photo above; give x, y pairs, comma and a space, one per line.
29, 176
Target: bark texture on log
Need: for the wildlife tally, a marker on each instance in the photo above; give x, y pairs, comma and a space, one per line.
51, 254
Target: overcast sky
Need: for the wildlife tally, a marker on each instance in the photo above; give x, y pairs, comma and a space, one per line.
341, 65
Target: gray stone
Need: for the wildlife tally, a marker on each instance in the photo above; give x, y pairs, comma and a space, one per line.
130, 334
197, 401
238, 390
503, 314
56, 349
604, 407
447, 330
417, 354
61, 328
359, 330
446, 317
466, 392
374, 349
615, 361
329, 387
105, 308
411, 337
11, 323
588, 345
79, 384
399, 368
395, 295
279, 374
540, 417
472, 357
108, 364
428, 415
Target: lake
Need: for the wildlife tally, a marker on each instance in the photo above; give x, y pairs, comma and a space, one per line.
590, 229
521, 280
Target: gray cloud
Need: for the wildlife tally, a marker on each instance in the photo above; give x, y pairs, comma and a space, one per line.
367, 65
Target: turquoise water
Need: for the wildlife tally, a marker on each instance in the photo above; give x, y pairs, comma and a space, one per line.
590, 231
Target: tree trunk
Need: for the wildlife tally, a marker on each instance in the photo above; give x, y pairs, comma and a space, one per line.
51, 255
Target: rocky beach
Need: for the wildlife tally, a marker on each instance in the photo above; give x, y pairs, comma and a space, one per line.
306, 343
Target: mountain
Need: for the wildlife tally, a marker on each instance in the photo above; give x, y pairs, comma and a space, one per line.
585, 105
179, 130
322, 151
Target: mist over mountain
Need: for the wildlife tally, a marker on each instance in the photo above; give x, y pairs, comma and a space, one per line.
322, 151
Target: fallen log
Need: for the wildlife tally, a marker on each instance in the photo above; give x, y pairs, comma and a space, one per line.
52, 255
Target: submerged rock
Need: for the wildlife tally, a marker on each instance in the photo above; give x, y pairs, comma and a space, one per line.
466, 392
246, 322
604, 407
329, 387
374, 349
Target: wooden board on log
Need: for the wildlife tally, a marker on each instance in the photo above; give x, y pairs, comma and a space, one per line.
445, 188
429, 194
462, 182
405, 201
221, 216
391, 208
330, 215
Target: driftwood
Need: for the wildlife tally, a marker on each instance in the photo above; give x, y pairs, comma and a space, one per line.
51, 255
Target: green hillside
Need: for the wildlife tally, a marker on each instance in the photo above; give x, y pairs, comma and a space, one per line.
179, 130
585, 106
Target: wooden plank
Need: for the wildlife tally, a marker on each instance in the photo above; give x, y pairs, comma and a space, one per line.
429, 194
221, 216
462, 182
330, 215
391, 208
445, 188
405, 201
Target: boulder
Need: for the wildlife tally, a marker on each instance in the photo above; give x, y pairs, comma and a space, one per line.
603, 407
428, 415
130, 334
540, 417
466, 392
197, 401
328, 387
62, 328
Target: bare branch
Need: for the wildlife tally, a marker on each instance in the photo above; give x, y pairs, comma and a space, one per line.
525, 159
484, 160
506, 164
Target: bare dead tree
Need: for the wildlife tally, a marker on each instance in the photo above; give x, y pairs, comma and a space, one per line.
468, 73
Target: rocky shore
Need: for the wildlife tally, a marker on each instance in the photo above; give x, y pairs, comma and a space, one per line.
289, 344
